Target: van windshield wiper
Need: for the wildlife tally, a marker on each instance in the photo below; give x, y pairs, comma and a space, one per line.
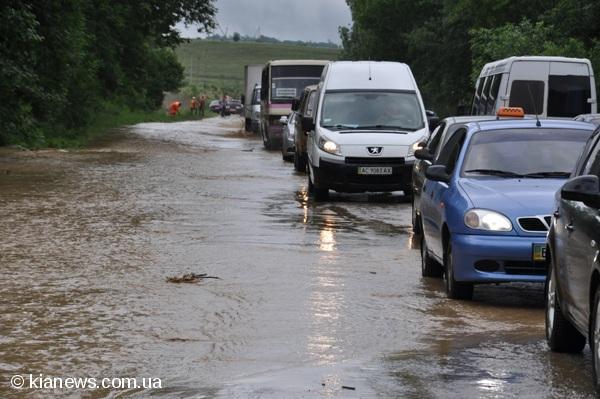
495, 172
386, 127
341, 126
549, 174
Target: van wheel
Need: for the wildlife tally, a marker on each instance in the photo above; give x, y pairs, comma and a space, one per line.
561, 335
455, 289
595, 339
429, 267
319, 193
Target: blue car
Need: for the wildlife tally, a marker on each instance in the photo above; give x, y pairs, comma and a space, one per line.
487, 201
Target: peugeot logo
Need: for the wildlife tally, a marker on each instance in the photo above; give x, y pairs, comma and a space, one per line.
375, 150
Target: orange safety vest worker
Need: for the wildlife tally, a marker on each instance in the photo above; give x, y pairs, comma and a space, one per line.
174, 108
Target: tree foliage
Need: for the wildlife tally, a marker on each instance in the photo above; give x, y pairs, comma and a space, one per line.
61, 61
446, 42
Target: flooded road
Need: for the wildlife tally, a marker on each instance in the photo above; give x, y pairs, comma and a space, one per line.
313, 298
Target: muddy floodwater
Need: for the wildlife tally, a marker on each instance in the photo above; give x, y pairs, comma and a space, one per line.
320, 300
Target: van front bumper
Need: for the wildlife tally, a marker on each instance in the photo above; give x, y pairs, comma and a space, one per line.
342, 175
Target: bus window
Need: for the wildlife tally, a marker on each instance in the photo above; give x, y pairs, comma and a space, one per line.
527, 94
477, 97
493, 96
484, 95
568, 95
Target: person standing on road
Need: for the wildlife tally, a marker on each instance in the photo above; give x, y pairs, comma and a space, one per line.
201, 105
194, 106
223, 104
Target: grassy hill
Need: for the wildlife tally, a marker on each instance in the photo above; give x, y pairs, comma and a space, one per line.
214, 67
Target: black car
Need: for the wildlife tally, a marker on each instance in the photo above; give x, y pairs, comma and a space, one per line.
233, 107
573, 283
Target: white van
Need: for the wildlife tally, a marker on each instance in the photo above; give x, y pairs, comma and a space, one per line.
370, 119
547, 86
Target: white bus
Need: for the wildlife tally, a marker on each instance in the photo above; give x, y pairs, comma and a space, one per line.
547, 86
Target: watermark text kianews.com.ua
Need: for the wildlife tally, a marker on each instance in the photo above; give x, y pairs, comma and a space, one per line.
41, 381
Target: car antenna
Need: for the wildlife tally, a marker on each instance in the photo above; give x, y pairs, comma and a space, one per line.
537, 118
370, 77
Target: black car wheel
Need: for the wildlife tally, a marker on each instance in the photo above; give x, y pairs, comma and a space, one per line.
561, 335
416, 223
595, 339
429, 267
455, 289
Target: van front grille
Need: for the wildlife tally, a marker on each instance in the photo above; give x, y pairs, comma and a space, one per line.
374, 161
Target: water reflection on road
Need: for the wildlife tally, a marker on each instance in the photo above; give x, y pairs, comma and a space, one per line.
312, 296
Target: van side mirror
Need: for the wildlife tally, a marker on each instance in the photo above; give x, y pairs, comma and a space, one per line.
295, 104
283, 120
307, 124
423, 154
584, 189
437, 173
432, 120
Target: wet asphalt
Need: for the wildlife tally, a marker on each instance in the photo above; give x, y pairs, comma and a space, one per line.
313, 299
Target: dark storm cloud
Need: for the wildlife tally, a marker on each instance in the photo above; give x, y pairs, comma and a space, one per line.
308, 20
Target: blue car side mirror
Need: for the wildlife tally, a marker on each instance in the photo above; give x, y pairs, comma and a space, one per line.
584, 189
437, 173
423, 154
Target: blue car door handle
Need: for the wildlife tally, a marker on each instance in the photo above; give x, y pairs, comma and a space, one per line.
556, 214
569, 227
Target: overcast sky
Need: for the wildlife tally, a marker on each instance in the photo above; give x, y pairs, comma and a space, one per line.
307, 20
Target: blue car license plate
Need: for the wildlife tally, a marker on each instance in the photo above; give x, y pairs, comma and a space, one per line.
539, 252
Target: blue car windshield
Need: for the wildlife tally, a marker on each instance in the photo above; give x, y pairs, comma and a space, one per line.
529, 153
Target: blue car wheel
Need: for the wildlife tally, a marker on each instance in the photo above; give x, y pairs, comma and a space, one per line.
455, 289
429, 267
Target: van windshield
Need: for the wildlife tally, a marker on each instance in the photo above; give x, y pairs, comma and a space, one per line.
373, 110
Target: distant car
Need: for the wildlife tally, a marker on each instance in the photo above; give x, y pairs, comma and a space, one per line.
590, 118
573, 285
234, 107
287, 136
306, 108
215, 106
487, 201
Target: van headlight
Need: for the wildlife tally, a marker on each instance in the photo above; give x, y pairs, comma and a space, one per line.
414, 147
329, 146
483, 219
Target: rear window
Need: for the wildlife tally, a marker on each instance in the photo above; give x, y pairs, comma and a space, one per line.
527, 94
568, 95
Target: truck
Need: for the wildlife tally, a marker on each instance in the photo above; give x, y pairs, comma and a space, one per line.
252, 76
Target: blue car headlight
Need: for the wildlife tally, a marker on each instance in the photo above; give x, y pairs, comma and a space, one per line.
483, 219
